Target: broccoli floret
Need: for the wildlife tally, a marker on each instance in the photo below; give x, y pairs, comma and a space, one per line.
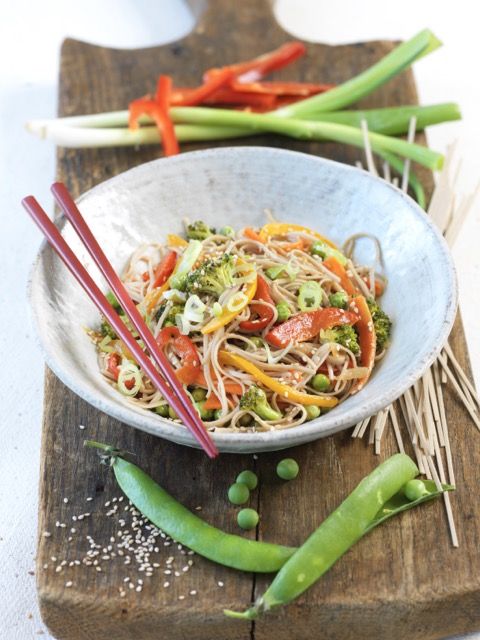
381, 324
344, 335
213, 276
199, 230
338, 299
255, 400
106, 329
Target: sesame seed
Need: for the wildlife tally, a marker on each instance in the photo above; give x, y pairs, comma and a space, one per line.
47, 534
123, 593
198, 508
193, 592
65, 500
89, 499
68, 584
181, 597
220, 583
81, 427
73, 530
45, 566
58, 569
166, 584
138, 589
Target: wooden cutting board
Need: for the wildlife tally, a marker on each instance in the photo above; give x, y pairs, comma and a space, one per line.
404, 580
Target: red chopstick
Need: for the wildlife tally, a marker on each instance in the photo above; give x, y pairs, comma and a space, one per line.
175, 394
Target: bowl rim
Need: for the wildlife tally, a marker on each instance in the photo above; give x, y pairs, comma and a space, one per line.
249, 442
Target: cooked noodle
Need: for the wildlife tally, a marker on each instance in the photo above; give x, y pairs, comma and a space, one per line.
294, 364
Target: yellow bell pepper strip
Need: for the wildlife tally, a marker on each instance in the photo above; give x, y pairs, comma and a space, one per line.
283, 390
284, 228
366, 339
227, 316
176, 241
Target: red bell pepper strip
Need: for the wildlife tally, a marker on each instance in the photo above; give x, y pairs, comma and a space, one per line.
305, 326
338, 269
366, 339
251, 99
164, 269
214, 82
281, 88
265, 314
113, 367
186, 351
264, 64
158, 110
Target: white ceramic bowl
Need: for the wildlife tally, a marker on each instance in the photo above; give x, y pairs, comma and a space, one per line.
233, 186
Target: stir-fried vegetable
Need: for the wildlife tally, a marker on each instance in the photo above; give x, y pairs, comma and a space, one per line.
309, 296
255, 400
186, 351
308, 324
212, 276
199, 230
285, 391
263, 311
191, 254
344, 335
366, 338
381, 323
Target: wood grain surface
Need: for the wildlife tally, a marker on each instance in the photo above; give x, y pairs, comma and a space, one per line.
404, 580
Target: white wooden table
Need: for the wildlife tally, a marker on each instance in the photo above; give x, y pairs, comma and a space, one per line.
30, 36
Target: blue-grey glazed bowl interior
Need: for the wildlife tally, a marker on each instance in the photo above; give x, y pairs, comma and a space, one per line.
234, 186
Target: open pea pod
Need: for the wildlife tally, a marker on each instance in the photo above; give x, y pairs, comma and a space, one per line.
399, 502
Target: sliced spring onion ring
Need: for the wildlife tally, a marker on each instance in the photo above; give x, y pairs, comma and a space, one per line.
184, 325
309, 296
174, 295
217, 309
194, 309
237, 302
126, 373
248, 273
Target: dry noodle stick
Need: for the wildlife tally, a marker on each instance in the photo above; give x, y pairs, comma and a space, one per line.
363, 428
461, 373
411, 433
386, 172
416, 421
448, 451
396, 428
446, 498
368, 149
380, 422
434, 404
371, 436
428, 414
357, 428
469, 407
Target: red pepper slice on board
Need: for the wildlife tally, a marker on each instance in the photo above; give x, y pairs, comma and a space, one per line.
305, 326
158, 110
186, 351
264, 313
281, 88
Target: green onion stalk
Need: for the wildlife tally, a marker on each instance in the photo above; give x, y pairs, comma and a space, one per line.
316, 118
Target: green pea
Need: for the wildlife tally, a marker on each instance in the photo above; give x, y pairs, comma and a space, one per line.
338, 299
171, 413
169, 323
415, 489
162, 410
312, 411
288, 469
320, 382
199, 394
246, 420
258, 342
238, 493
249, 478
247, 519
283, 311
205, 414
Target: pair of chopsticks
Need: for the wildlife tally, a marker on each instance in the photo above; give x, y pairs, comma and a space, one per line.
168, 385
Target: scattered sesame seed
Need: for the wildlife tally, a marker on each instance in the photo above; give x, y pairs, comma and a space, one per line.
181, 597
166, 584
68, 584
81, 427
58, 569
45, 566
220, 583
47, 534
193, 592
65, 500
138, 589
89, 499
123, 593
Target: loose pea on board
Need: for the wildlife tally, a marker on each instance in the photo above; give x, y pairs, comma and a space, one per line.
249, 478
247, 519
288, 469
238, 493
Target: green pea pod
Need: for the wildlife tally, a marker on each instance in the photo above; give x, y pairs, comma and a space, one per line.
182, 525
374, 500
